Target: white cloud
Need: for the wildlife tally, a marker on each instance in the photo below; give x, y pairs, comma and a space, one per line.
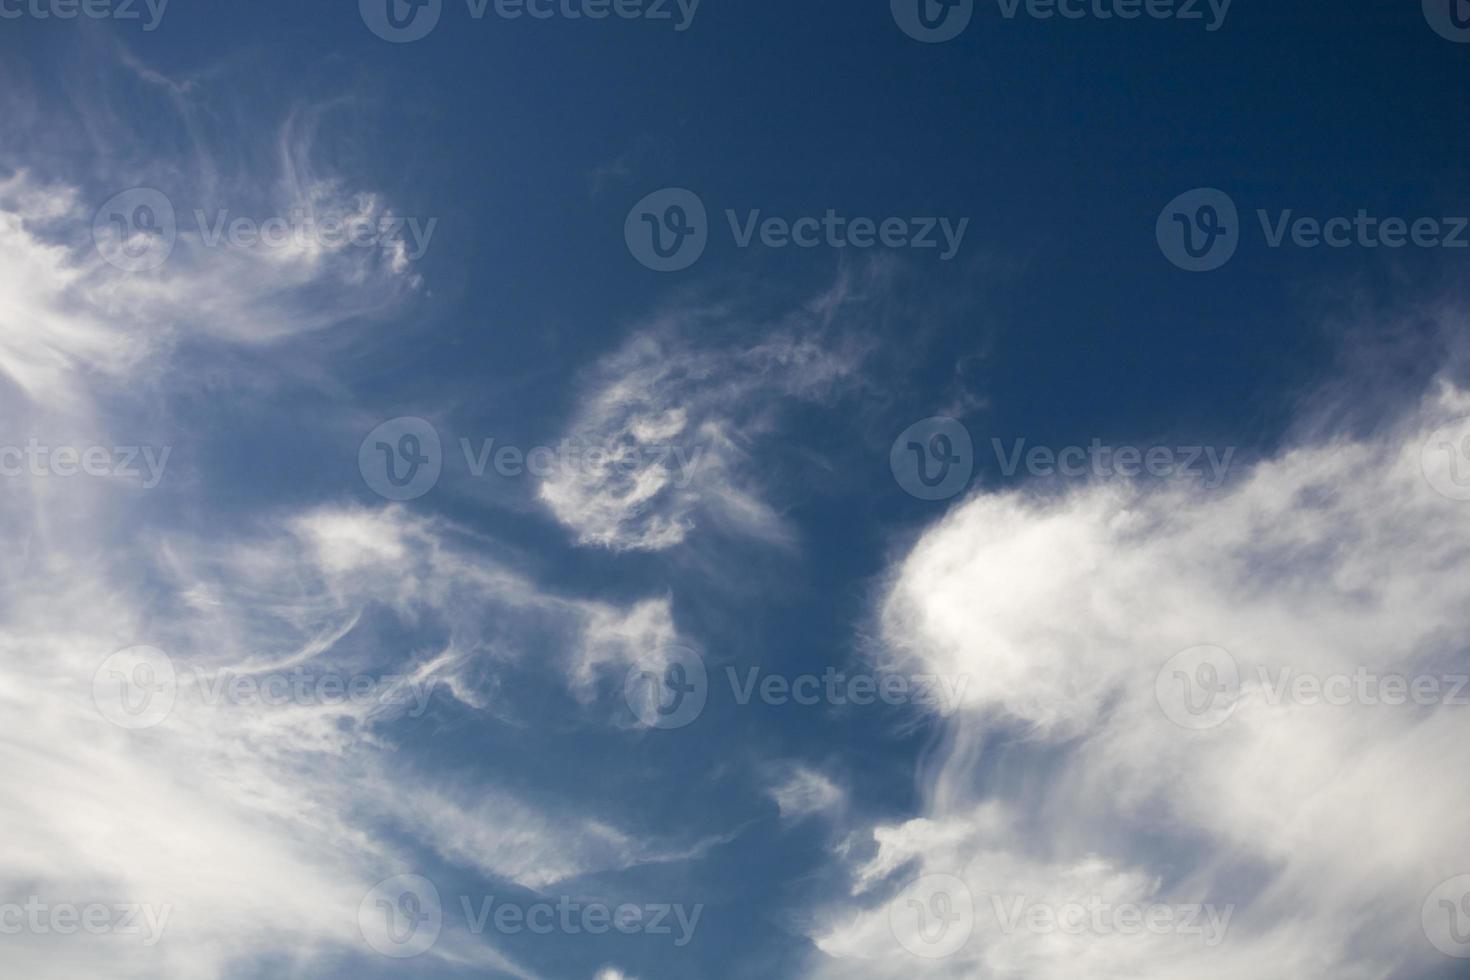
1062, 779
257, 826
800, 792
684, 418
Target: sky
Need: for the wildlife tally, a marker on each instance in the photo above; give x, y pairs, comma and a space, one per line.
638, 489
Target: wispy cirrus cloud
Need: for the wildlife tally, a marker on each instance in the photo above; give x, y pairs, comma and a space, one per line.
711, 387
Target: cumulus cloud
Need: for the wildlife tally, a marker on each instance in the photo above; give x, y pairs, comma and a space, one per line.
1076, 774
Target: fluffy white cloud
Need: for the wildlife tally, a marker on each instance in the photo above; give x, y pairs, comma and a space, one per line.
1318, 828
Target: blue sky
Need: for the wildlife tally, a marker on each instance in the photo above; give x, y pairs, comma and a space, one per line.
762, 491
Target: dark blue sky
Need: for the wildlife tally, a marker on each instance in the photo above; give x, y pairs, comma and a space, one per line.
1059, 320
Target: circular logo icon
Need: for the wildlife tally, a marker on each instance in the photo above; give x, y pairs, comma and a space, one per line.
401, 459
401, 21
933, 459
933, 917
136, 230
1199, 230
1447, 917
1449, 18
401, 917
1445, 459
668, 230
1199, 688
668, 688
933, 21
135, 688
